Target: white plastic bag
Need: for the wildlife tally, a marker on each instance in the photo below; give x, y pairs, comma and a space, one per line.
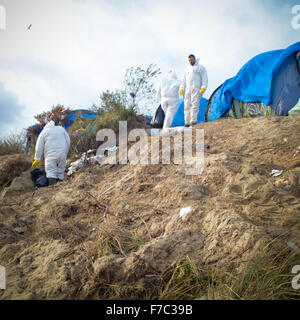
184, 212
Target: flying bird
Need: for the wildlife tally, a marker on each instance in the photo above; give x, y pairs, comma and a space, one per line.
29, 27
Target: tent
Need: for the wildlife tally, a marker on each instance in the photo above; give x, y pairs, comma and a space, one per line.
268, 84
178, 120
72, 116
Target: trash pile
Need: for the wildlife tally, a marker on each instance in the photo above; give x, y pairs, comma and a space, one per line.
90, 158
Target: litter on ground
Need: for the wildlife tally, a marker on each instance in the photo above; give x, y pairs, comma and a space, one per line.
276, 173
184, 212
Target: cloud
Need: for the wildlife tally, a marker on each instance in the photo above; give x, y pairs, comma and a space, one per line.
10, 110
77, 48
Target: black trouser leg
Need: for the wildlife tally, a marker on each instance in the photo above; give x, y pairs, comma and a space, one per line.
52, 181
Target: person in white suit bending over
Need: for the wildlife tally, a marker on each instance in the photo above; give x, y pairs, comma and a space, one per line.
167, 92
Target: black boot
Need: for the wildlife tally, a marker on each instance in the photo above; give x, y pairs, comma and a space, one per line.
52, 181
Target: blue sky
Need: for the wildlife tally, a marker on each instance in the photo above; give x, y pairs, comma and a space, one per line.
77, 48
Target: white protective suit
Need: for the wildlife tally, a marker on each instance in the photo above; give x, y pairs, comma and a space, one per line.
54, 141
194, 79
167, 92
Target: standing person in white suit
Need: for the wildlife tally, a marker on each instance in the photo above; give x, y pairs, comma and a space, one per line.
193, 86
167, 92
54, 142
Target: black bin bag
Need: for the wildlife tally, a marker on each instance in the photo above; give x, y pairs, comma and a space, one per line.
39, 178
159, 118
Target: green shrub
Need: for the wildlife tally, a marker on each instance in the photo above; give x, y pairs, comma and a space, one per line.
110, 120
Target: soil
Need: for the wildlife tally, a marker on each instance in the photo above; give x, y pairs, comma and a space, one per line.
76, 244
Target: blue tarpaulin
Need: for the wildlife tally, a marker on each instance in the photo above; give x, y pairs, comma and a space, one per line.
253, 83
178, 120
72, 117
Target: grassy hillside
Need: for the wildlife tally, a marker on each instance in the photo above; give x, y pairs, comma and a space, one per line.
130, 242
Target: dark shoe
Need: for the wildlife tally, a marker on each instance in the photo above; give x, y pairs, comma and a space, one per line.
52, 181
187, 125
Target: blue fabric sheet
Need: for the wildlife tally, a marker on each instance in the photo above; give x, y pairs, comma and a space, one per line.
72, 117
253, 83
178, 120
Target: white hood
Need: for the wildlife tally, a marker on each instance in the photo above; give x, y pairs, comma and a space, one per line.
172, 75
49, 125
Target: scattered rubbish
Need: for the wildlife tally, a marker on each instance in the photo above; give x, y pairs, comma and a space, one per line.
94, 229
89, 157
91, 152
127, 206
95, 160
112, 149
78, 164
276, 173
184, 212
292, 245
108, 151
285, 140
78, 132
25, 220
287, 188
297, 151
19, 230
215, 138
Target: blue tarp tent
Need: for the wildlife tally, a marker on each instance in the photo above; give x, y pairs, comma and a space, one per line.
271, 78
85, 114
178, 120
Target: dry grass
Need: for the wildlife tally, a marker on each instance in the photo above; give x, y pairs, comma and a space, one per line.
143, 250
12, 144
12, 168
269, 277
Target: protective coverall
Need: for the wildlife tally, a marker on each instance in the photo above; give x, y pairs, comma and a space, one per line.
167, 92
194, 79
54, 141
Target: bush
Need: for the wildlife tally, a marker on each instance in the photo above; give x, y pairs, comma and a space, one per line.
12, 144
110, 120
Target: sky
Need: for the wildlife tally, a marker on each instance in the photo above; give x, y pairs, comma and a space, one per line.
76, 49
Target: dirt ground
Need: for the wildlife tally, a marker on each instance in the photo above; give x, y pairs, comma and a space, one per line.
76, 244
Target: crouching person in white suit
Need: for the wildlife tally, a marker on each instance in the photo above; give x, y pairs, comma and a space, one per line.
54, 142
167, 92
